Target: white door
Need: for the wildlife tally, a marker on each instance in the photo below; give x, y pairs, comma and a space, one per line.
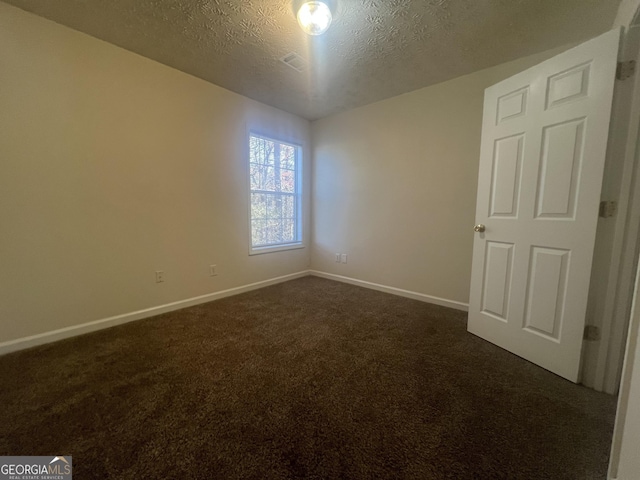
544, 138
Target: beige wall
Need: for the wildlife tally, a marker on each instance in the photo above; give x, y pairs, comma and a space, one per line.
113, 166
394, 186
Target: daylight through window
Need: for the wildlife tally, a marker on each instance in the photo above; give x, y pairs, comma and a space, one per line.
274, 168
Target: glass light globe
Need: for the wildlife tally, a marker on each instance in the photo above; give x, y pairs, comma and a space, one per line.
314, 17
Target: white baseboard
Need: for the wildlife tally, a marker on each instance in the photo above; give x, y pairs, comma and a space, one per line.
72, 331
54, 335
394, 291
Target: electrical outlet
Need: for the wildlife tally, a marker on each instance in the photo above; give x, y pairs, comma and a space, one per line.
159, 276
213, 270
344, 258
337, 258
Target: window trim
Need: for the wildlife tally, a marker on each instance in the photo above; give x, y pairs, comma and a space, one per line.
280, 247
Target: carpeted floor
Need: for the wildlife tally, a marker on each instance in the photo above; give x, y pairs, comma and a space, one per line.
307, 379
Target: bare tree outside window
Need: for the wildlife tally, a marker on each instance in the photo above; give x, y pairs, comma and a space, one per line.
274, 172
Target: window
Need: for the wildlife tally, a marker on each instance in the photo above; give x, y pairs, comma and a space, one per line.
274, 170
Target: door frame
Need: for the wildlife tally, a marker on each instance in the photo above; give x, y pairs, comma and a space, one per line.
627, 423
618, 242
626, 373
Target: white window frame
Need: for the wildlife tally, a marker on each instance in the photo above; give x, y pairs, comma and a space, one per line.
279, 247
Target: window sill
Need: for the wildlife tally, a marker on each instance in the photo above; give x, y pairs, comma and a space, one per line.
275, 248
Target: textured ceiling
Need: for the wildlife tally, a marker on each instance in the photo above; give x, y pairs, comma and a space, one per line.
375, 49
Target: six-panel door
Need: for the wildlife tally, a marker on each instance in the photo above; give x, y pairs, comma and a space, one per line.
544, 140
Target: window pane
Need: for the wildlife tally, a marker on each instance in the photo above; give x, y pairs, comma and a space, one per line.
258, 206
273, 231
288, 229
262, 151
288, 206
287, 181
273, 218
272, 206
254, 176
258, 232
287, 157
270, 180
263, 177
257, 173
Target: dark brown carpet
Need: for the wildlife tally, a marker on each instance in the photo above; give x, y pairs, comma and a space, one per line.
307, 379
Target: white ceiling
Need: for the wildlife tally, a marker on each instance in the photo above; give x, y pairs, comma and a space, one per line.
375, 49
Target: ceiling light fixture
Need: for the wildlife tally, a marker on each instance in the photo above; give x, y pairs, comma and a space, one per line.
314, 17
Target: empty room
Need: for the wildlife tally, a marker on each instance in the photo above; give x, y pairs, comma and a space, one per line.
360, 239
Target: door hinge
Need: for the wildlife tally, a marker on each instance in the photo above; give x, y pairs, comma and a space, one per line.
608, 209
591, 333
625, 69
